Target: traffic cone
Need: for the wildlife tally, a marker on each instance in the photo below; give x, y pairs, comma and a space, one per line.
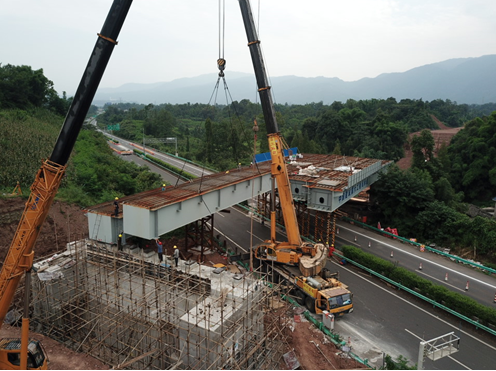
420, 266
355, 238
369, 243
446, 277
495, 298
466, 286
337, 231
391, 254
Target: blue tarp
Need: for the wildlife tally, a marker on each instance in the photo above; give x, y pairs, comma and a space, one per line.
262, 157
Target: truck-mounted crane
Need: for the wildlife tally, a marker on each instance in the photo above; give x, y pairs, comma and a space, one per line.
316, 287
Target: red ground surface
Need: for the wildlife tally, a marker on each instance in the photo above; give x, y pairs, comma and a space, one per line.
441, 136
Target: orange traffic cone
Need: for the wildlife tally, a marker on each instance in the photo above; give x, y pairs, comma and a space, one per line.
495, 298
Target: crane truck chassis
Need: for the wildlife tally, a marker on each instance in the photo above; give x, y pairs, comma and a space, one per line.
320, 292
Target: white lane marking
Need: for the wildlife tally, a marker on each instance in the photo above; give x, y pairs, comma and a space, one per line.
413, 305
457, 361
437, 279
419, 257
258, 238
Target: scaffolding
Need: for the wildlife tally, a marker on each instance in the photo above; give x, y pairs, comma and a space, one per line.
132, 313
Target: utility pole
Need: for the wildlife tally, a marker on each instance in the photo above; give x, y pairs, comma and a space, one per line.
144, 150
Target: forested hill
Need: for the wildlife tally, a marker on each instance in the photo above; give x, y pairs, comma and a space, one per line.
463, 80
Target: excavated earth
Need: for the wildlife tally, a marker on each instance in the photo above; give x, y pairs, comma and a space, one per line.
441, 136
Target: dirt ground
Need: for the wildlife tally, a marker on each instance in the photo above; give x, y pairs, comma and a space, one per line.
59, 356
68, 223
64, 223
313, 350
441, 136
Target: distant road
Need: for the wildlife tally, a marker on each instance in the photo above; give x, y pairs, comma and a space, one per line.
172, 160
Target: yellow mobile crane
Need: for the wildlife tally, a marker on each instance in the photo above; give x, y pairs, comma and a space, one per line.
24, 353
310, 257
316, 287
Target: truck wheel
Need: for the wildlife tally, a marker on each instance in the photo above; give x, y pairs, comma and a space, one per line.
310, 304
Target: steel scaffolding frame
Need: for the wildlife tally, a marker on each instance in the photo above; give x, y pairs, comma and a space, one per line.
132, 313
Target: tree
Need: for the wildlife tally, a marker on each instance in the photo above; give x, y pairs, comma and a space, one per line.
472, 154
391, 136
209, 140
337, 149
423, 154
401, 195
21, 87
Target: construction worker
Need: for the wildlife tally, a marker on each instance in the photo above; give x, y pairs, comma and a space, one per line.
239, 166
160, 250
163, 187
119, 242
116, 207
176, 255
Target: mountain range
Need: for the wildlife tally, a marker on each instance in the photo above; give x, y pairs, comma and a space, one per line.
461, 80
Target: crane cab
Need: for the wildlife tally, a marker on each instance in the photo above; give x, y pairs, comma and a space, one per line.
10, 355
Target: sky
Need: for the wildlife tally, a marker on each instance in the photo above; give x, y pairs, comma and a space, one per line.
163, 40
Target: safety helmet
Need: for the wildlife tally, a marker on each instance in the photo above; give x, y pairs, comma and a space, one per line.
163, 185
117, 198
175, 246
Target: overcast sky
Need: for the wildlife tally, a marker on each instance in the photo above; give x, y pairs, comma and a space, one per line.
163, 40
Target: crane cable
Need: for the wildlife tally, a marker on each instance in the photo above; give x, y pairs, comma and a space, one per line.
221, 62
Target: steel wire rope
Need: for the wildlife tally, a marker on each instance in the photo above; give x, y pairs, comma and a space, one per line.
222, 32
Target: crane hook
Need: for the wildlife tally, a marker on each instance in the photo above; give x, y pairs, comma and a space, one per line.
221, 64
